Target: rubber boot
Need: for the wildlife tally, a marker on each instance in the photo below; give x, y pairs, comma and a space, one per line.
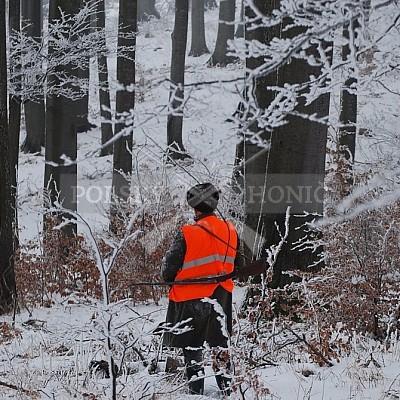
194, 370
196, 387
224, 384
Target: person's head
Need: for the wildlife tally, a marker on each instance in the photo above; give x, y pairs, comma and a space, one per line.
203, 198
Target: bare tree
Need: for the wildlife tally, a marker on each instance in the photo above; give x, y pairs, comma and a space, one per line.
104, 92
82, 123
210, 4
199, 45
7, 277
61, 127
125, 102
226, 32
348, 109
146, 10
251, 155
176, 95
240, 28
34, 109
290, 155
14, 121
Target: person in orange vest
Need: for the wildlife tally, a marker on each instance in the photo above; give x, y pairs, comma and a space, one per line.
201, 314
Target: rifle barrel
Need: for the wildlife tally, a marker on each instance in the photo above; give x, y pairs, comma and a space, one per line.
257, 267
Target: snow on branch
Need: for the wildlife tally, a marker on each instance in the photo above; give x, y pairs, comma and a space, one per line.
71, 40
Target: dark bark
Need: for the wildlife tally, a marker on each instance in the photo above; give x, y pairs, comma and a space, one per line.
255, 157
147, 9
199, 45
82, 107
297, 160
210, 4
297, 156
226, 31
294, 163
7, 277
34, 110
61, 133
176, 96
122, 161
240, 28
348, 118
104, 92
367, 10
83, 124
14, 120
35, 126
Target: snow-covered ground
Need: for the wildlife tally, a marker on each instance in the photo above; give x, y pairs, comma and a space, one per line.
52, 348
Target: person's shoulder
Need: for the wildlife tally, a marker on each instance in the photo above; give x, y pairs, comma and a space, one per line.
189, 228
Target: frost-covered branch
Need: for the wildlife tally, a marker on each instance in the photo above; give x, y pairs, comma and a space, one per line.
310, 32
70, 41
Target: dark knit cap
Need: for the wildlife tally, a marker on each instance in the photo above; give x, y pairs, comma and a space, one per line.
203, 197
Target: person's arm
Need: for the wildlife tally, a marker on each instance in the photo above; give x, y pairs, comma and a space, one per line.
174, 258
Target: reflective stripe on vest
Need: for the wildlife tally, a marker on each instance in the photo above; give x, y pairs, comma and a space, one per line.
206, 256
208, 259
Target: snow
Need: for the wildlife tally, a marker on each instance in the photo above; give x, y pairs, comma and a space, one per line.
55, 346
52, 348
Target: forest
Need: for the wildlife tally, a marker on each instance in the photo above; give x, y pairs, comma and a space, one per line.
110, 110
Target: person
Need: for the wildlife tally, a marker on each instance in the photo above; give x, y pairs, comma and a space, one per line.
200, 315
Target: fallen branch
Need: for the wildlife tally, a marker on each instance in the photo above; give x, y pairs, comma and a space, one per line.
312, 348
15, 387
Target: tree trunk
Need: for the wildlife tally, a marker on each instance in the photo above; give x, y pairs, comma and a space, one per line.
147, 9
104, 92
210, 4
176, 149
348, 118
240, 28
61, 133
14, 121
34, 110
294, 165
198, 46
226, 31
255, 156
122, 161
83, 124
297, 164
7, 277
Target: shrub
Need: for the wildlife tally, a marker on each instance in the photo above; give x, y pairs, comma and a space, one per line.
65, 266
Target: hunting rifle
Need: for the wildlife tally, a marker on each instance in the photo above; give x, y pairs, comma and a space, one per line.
257, 267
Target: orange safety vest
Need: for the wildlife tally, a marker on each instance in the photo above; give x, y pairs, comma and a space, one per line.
206, 256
